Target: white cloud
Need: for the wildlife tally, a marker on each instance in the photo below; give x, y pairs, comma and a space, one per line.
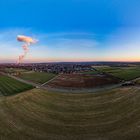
55, 46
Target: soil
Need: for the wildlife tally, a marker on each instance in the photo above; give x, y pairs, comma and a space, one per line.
82, 81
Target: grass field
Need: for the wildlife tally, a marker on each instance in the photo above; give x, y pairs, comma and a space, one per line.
14, 70
9, 86
37, 77
41, 115
125, 73
90, 72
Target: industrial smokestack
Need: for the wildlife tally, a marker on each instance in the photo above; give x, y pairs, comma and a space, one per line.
27, 42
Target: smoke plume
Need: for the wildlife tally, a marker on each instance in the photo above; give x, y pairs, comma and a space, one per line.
27, 42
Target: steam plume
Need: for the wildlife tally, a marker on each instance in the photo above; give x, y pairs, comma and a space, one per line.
27, 42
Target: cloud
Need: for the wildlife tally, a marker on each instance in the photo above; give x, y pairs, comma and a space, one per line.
71, 46
26, 39
27, 42
51, 46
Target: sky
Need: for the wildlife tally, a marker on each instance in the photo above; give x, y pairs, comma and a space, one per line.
71, 30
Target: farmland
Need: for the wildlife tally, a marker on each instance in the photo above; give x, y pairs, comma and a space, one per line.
14, 70
37, 77
40, 114
82, 81
9, 86
124, 73
90, 72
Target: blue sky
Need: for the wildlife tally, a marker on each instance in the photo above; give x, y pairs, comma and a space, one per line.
71, 30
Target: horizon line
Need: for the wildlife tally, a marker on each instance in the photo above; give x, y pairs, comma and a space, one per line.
74, 62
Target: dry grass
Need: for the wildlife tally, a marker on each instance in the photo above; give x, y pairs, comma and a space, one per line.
41, 115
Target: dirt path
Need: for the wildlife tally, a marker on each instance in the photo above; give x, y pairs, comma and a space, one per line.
50, 80
82, 90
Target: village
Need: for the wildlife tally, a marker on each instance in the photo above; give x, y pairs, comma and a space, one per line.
51, 68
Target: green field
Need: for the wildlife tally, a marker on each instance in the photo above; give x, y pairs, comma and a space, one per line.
9, 86
90, 72
43, 115
37, 77
124, 73
14, 70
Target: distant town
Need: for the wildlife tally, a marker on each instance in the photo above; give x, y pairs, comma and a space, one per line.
66, 67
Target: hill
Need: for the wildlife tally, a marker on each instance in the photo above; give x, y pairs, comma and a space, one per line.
39, 114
